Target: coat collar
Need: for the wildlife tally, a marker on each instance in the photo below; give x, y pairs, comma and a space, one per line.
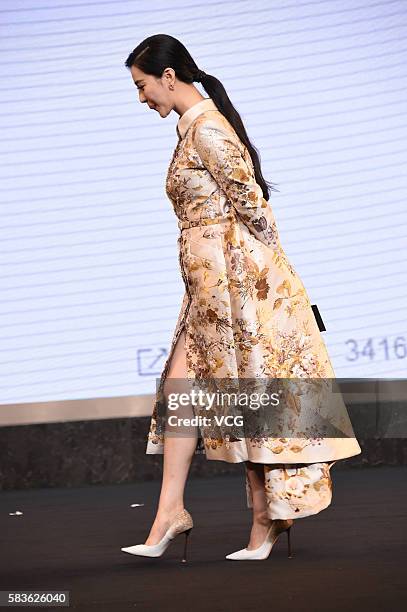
192, 113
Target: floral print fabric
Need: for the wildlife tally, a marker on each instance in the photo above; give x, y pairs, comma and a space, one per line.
245, 311
295, 491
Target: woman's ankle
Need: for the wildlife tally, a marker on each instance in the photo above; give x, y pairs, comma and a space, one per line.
261, 518
170, 511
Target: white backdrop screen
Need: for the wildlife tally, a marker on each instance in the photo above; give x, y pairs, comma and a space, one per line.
90, 283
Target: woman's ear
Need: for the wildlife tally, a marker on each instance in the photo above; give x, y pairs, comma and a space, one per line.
169, 76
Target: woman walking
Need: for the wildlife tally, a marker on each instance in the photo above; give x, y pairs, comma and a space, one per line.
245, 313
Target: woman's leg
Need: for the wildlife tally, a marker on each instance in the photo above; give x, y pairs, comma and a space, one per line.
178, 451
261, 520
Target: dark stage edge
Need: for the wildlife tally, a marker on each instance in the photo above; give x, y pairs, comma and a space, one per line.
351, 556
113, 451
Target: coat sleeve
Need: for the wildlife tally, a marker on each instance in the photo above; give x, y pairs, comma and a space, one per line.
219, 152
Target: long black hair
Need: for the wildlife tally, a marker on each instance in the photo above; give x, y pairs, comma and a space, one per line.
160, 51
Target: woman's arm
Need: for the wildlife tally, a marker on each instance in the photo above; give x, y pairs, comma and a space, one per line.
219, 151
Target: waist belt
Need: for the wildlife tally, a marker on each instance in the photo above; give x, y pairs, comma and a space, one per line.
185, 224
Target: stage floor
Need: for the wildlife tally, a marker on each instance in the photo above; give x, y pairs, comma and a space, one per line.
351, 556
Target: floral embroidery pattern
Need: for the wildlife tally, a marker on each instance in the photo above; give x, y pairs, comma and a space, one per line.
296, 492
245, 311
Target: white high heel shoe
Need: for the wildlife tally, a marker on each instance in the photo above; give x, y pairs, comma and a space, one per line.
183, 523
258, 554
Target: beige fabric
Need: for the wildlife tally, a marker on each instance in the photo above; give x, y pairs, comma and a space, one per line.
245, 310
295, 491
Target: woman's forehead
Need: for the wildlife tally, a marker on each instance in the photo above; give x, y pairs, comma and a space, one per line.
137, 73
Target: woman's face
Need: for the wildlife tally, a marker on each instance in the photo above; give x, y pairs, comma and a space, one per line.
153, 90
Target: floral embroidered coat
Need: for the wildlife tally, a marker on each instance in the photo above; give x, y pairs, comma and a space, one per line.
245, 311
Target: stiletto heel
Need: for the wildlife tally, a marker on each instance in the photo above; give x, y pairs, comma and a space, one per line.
263, 551
289, 542
184, 557
183, 523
